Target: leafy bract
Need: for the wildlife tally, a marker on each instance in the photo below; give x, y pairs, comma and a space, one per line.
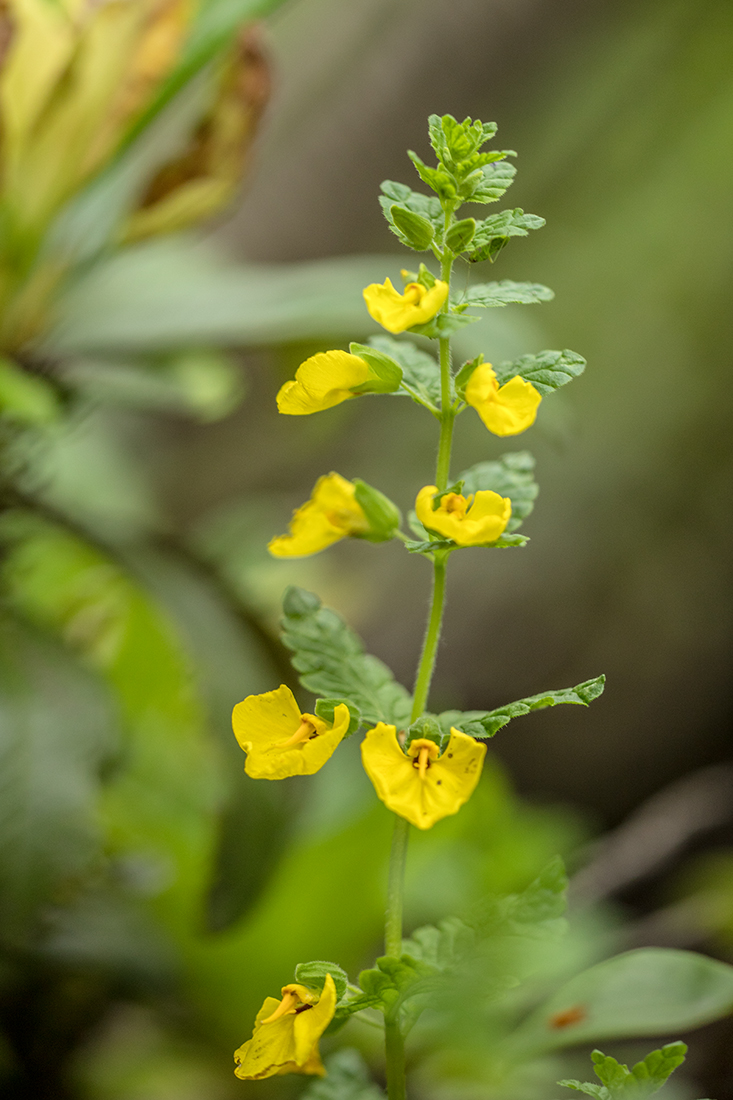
649, 991
547, 370
331, 661
511, 475
481, 724
426, 206
504, 293
420, 372
642, 1080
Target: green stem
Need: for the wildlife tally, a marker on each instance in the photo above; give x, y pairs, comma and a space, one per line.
397, 858
432, 636
394, 1044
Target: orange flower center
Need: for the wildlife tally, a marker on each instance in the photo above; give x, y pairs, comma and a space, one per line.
304, 732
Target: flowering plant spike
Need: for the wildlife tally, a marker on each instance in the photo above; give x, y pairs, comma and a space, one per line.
425, 767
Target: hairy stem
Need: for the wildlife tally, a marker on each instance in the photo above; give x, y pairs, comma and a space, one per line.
432, 636
394, 1044
397, 858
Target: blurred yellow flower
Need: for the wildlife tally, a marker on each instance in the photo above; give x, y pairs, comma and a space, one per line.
279, 740
507, 409
331, 514
323, 381
397, 312
286, 1033
468, 521
423, 785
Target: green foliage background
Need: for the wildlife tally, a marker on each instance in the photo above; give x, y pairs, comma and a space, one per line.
152, 895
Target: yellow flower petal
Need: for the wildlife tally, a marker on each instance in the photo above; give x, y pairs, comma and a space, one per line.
279, 740
331, 514
472, 521
397, 312
287, 1043
505, 410
428, 787
323, 381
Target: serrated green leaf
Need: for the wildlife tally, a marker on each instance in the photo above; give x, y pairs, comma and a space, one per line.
331, 661
425, 205
547, 370
659, 1064
427, 546
497, 178
511, 475
504, 293
650, 991
420, 371
413, 229
481, 724
598, 1091
493, 233
443, 946
535, 912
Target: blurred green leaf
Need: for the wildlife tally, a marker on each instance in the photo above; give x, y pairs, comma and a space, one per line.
56, 732
347, 1078
480, 724
511, 475
547, 371
331, 661
651, 991
25, 398
178, 292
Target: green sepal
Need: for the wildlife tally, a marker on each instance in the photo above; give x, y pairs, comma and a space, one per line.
511, 475
25, 398
384, 517
389, 373
413, 229
493, 233
436, 178
313, 975
420, 371
325, 709
444, 324
547, 370
426, 727
456, 487
463, 377
425, 277
483, 724
460, 235
331, 661
427, 206
618, 1082
504, 293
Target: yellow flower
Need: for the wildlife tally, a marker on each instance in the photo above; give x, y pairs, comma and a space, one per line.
323, 381
424, 785
469, 521
331, 514
505, 410
279, 740
286, 1033
397, 312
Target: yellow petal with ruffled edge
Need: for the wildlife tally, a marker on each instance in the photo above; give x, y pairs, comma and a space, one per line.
505, 410
279, 740
468, 521
397, 312
331, 514
289, 1042
323, 381
422, 790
